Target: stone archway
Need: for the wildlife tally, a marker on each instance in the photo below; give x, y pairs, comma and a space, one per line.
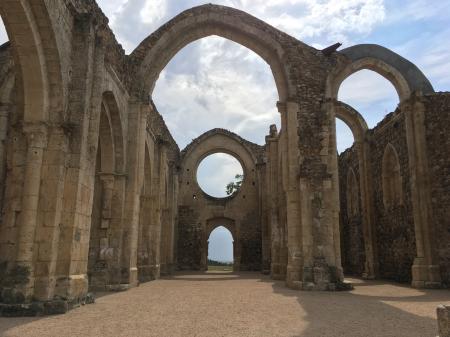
359, 128
153, 54
230, 225
107, 206
35, 54
197, 210
404, 75
39, 101
410, 84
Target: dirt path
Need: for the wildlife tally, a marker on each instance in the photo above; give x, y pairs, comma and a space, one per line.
245, 304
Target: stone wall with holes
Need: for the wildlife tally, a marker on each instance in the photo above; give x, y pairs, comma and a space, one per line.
437, 122
351, 230
199, 213
394, 226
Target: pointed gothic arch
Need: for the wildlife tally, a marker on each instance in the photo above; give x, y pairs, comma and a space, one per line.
391, 178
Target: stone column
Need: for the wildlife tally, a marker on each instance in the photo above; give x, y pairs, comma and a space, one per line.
36, 135
289, 124
136, 158
319, 199
4, 116
425, 270
272, 204
155, 222
49, 213
173, 178
365, 180
263, 213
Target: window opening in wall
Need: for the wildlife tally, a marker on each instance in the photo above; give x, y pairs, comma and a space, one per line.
220, 175
220, 250
369, 93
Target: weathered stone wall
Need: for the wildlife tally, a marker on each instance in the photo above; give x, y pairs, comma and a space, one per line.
199, 213
352, 240
437, 122
394, 226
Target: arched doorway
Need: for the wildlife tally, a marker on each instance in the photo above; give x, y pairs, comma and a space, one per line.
220, 249
225, 230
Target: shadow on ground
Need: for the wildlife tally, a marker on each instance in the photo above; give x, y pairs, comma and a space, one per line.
373, 308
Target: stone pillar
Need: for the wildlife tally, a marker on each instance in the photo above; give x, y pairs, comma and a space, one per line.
173, 206
263, 213
289, 124
319, 190
49, 213
36, 135
272, 204
84, 115
443, 317
425, 270
138, 115
155, 214
4, 116
365, 180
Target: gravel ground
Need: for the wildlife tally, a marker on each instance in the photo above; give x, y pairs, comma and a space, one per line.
244, 304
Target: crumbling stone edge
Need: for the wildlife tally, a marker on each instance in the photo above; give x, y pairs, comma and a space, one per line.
43, 308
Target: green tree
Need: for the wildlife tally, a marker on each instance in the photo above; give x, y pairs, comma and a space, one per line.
234, 186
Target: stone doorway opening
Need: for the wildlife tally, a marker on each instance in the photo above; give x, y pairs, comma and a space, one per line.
220, 250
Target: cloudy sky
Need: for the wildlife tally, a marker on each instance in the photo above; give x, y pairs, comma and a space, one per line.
216, 83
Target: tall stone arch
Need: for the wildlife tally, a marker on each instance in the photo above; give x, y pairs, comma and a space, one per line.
153, 54
355, 121
411, 84
404, 75
40, 100
36, 57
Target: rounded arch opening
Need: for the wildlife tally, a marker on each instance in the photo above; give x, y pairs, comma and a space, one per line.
220, 249
220, 174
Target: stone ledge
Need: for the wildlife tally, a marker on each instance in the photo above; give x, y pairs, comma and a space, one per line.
44, 308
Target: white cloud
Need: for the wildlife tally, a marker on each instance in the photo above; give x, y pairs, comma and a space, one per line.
419, 10
333, 20
153, 11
